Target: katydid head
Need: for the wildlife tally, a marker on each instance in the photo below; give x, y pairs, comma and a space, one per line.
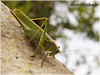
55, 50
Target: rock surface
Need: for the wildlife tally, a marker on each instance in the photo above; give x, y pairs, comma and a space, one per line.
16, 51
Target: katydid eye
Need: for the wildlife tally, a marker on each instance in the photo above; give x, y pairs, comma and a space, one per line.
57, 51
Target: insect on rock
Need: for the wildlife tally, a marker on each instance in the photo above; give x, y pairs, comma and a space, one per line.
36, 34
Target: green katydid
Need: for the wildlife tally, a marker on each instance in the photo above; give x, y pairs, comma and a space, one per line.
36, 34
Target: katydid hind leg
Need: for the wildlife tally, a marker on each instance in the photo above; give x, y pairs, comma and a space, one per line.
40, 18
41, 40
41, 25
37, 31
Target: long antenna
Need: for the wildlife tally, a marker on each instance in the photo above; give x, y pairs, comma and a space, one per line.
62, 60
72, 50
67, 51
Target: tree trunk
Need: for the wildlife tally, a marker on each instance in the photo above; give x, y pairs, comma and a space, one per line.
16, 51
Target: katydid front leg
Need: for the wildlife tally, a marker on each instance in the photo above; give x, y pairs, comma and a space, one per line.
44, 59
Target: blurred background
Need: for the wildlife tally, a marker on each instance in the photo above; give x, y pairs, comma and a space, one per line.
74, 28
